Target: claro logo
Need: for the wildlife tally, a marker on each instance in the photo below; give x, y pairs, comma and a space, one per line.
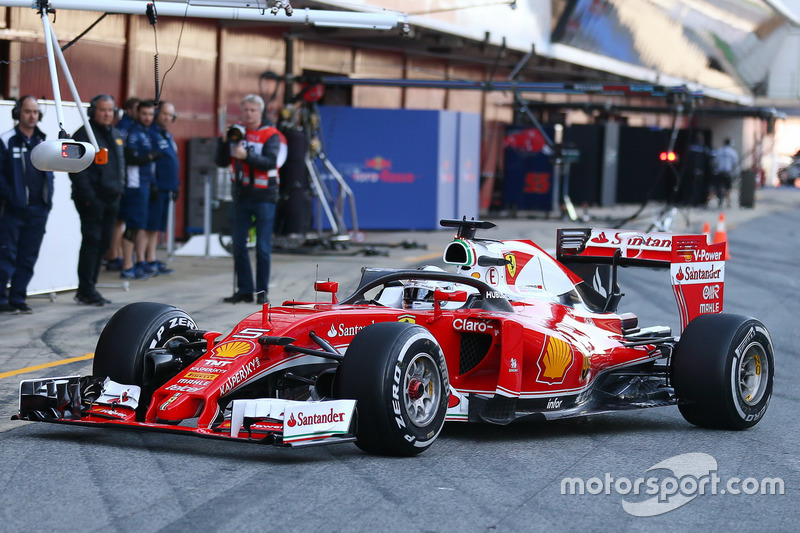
302, 420
471, 325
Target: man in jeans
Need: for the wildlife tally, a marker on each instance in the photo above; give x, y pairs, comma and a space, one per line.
26, 195
96, 191
253, 151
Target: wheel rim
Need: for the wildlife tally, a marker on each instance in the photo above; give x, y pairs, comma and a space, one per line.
422, 390
752, 373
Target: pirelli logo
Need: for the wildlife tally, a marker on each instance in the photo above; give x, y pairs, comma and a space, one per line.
201, 375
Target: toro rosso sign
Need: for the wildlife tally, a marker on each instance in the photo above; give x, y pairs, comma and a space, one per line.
698, 276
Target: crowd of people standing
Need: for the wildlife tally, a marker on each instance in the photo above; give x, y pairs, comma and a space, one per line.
122, 204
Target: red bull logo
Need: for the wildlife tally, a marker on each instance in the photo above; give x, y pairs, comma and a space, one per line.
378, 163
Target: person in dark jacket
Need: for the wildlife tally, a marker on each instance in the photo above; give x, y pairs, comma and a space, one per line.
96, 192
26, 197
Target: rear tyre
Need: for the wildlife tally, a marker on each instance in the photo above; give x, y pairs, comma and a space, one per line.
132, 331
722, 371
397, 373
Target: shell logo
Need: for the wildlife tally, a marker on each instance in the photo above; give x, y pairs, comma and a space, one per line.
587, 365
554, 362
232, 350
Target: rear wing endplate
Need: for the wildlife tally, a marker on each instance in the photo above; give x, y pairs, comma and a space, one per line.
697, 268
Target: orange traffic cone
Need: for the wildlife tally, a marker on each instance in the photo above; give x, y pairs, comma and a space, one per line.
721, 235
707, 232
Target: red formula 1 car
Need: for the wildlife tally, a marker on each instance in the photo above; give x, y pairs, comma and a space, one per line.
512, 333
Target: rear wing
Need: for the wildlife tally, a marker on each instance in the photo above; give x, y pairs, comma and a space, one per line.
697, 268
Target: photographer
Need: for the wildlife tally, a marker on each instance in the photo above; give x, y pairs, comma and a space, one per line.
253, 148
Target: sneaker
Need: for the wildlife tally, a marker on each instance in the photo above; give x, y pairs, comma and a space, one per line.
82, 299
161, 268
262, 299
134, 273
24, 309
98, 296
8, 309
114, 265
147, 268
238, 297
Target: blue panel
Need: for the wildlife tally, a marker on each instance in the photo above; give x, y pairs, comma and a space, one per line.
448, 166
528, 171
391, 159
469, 165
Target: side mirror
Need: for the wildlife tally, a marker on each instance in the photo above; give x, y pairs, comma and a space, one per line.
327, 286
450, 296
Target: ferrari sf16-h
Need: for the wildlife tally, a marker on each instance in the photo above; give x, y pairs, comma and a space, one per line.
509, 333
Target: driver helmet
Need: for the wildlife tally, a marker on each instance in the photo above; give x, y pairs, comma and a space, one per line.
418, 293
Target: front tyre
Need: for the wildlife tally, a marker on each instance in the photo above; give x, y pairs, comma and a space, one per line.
397, 373
722, 371
129, 334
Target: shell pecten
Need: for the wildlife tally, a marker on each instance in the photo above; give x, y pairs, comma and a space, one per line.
556, 359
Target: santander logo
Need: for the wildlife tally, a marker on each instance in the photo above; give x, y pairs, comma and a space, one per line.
312, 419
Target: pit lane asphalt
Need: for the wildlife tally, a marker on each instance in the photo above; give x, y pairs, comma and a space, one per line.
474, 478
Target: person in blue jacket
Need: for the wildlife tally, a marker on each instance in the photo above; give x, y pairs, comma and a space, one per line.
113, 259
140, 155
167, 182
26, 197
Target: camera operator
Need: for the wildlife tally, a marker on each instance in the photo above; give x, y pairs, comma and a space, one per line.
253, 148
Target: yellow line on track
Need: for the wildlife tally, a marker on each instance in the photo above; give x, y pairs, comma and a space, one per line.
83, 357
418, 258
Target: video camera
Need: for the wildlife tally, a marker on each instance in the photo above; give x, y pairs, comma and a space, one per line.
235, 133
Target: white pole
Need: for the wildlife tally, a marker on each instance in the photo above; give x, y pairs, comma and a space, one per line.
312, 17
207, 213
74, 90
51, 62
170, 227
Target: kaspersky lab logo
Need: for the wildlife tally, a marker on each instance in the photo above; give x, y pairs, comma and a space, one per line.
673, 483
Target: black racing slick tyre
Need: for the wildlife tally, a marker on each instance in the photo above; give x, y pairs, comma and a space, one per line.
132, 331
722, 371
397, 373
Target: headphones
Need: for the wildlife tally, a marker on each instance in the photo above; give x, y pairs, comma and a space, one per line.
15, 111
96, 100
158, 110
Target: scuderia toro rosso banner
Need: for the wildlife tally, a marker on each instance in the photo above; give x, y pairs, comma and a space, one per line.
698, 276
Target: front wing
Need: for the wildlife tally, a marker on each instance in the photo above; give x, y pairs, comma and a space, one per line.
86, 401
